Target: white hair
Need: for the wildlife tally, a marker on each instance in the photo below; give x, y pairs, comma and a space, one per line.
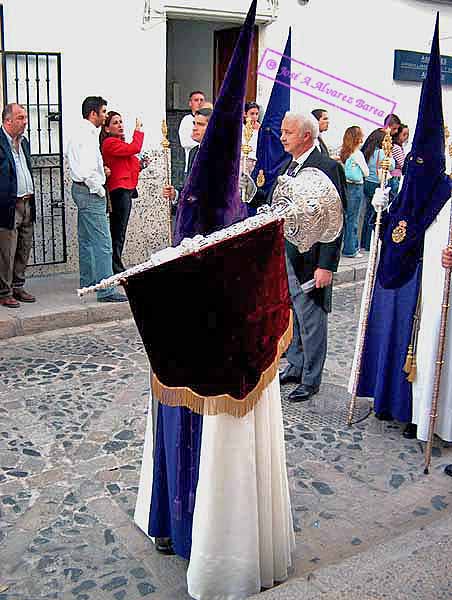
305, 122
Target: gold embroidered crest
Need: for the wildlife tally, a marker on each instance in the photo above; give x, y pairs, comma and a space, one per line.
399, 232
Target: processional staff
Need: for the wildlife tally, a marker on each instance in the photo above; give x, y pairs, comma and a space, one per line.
385, 165
441, 344
166, 154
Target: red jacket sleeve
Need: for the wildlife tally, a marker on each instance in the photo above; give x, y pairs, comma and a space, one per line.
114, 146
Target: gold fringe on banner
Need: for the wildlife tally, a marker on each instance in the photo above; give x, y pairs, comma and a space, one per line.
216, 405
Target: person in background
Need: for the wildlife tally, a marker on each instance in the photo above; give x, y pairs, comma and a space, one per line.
17, 206
392, 121
120, 157
356, 170
195, 102
374, 155
399, 139
88, 179
252, 112
200, 123
307, 352
322, 117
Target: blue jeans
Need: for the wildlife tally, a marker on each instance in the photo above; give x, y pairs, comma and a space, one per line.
369, 217
394, 183
94, 239
354, 199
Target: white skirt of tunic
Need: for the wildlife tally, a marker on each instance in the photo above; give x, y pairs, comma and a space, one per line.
436, 238
242, 524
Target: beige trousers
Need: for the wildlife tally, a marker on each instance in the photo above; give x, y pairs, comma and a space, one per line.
15, 247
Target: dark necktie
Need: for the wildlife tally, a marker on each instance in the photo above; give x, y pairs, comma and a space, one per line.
292, 168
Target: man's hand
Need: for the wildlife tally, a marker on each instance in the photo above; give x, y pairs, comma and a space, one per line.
107, 171
323, 277
169, 192
138, 124
380, 200
446, 258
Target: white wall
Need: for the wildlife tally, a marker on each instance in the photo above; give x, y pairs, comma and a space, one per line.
355, 40
104, 52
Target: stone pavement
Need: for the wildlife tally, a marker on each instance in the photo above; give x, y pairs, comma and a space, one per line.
414, 566
72, 421
58, 306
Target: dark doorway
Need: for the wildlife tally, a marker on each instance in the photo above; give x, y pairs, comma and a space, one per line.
224, 44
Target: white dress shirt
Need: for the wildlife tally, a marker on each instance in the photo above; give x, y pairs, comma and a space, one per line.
85, 160
23, 176
301, 159
186, 141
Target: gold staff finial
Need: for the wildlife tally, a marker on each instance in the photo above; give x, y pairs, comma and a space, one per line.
248, 134
387, 149
165, 142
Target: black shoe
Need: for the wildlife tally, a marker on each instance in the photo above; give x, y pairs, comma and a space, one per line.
302, 392
289, 375
448, 470
410, 431
384, 416
164, 546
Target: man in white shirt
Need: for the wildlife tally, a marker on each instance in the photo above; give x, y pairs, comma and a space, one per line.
195, 102
88, 176
322, 117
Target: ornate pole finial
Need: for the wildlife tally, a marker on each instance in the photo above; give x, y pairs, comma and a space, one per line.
165, 142
386, 162
248, 134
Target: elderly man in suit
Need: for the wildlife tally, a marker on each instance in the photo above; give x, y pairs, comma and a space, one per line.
307, 352
17, 206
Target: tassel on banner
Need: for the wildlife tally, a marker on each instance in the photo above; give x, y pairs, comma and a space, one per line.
413, 371
409, 360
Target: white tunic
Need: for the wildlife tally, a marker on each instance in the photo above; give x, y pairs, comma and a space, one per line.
436, 239
242, 537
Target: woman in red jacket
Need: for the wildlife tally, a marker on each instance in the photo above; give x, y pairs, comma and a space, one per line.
124, 166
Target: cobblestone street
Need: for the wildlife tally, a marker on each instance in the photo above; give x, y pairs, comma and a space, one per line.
72, 419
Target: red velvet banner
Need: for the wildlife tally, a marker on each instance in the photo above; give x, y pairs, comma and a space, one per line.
214, 323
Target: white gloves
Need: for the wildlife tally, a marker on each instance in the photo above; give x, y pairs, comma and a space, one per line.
380, 200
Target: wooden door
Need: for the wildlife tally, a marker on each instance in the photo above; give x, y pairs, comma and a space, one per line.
224, 44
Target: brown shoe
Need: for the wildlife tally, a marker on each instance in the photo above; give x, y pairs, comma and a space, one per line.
9, 302
23, 296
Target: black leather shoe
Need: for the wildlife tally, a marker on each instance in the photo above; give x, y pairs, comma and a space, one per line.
448, 470
164, 546
302, 392
384, 416
410, 431
289, 375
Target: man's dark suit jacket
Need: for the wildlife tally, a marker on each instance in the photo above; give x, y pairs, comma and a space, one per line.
323, 147
8, 182
325, 256
191, 158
